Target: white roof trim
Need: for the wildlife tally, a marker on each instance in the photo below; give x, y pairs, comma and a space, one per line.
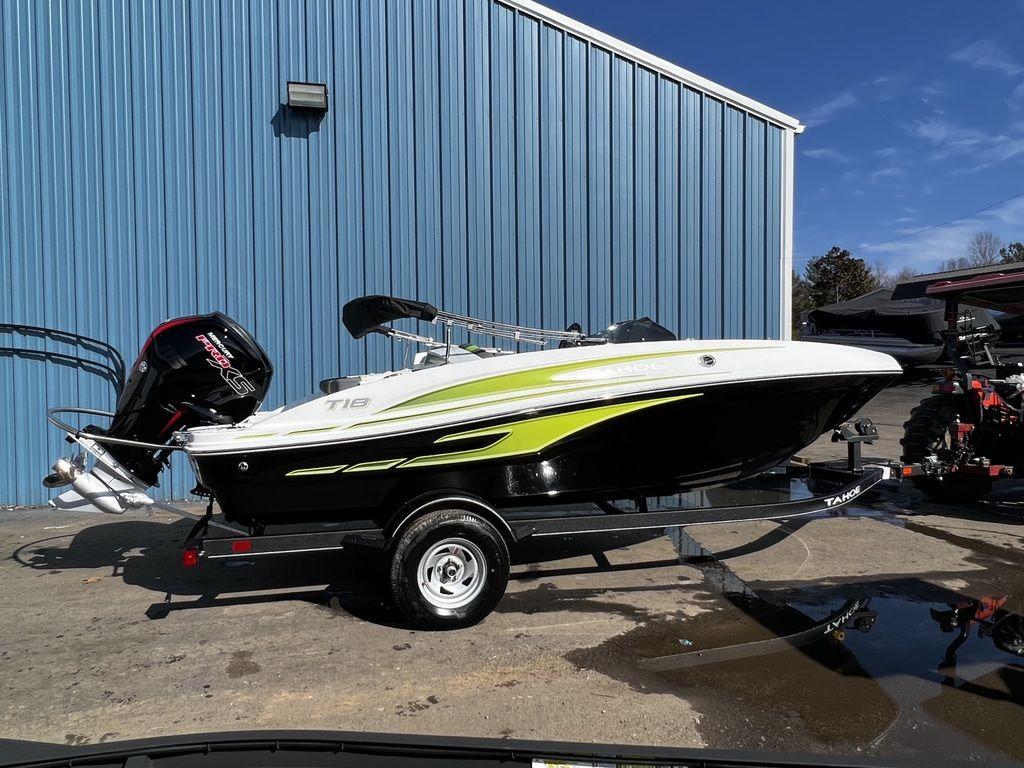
654, 62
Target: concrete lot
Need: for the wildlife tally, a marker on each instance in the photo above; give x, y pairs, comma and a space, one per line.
103, 635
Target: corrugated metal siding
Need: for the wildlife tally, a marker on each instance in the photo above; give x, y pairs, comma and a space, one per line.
472, 155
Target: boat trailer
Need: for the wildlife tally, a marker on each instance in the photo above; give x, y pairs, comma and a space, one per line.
851, 478
450, 554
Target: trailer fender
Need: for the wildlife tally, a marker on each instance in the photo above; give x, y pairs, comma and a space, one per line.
454, 500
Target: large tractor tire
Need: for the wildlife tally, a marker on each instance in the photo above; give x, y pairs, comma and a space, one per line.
925, 434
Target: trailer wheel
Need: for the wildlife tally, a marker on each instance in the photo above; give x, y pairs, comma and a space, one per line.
925, 434
449, 569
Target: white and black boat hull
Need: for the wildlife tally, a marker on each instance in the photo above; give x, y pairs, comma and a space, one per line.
578, 423
659, 443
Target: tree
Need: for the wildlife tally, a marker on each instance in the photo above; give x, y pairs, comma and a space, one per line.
889, 279
802, 302
1012, 253
983, 249
838, 276
903, 275
952, 265
881, 274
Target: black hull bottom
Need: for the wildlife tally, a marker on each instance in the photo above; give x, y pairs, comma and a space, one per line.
729, 432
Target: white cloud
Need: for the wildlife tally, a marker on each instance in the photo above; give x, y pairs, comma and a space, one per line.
885, 173
1016, 98
926, 250
940, 131
827, 153
983, 149
878, 89
986, 54
936, 89
885, 88
855, 181
886, 152
825, 111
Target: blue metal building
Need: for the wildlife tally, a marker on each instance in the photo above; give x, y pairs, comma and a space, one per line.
493, 157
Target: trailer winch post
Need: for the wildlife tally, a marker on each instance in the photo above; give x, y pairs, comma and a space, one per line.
855, 434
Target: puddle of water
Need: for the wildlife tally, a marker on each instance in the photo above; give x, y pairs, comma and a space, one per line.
880, 673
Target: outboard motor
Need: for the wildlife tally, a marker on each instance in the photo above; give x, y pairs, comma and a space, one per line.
192, 371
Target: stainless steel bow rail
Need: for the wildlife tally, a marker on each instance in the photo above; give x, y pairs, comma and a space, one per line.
521, 333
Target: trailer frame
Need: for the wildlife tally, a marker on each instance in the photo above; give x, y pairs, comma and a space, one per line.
856, 477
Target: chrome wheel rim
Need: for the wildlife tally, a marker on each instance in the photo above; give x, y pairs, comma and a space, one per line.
452, 573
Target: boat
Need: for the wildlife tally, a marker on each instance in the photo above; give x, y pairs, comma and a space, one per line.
909, 330
907, 353
628, 412
1012, 330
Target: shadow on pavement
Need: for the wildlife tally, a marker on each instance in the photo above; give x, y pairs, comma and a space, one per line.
147, 554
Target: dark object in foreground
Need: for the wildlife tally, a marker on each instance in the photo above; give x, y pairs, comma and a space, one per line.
333, 749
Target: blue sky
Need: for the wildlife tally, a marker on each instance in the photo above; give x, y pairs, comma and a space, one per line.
914, 110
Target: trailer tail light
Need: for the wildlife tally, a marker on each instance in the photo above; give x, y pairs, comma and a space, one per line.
241, 546
907, 471
190, 557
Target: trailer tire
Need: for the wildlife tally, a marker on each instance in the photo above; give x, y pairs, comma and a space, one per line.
449, 569
924, 434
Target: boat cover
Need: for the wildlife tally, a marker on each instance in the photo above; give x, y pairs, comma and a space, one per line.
366, 314
1013, 329
920, 321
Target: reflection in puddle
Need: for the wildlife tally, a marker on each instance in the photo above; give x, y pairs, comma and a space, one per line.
801, 630
897, 666
865, 668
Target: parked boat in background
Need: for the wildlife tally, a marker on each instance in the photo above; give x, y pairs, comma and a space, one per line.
1012, 330
909, 330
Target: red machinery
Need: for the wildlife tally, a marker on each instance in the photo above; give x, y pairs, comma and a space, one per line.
970, 432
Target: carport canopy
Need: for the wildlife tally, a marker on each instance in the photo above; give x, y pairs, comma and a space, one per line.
1002, 292
917, 286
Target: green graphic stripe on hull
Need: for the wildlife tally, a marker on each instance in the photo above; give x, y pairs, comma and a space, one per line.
511, 398
530, 436
535, 378
257, 436
311, 430
316, 471
374, 466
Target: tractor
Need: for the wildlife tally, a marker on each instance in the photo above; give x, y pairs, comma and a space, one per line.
970, 432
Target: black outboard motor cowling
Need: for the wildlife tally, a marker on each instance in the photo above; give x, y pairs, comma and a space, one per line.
192, 371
